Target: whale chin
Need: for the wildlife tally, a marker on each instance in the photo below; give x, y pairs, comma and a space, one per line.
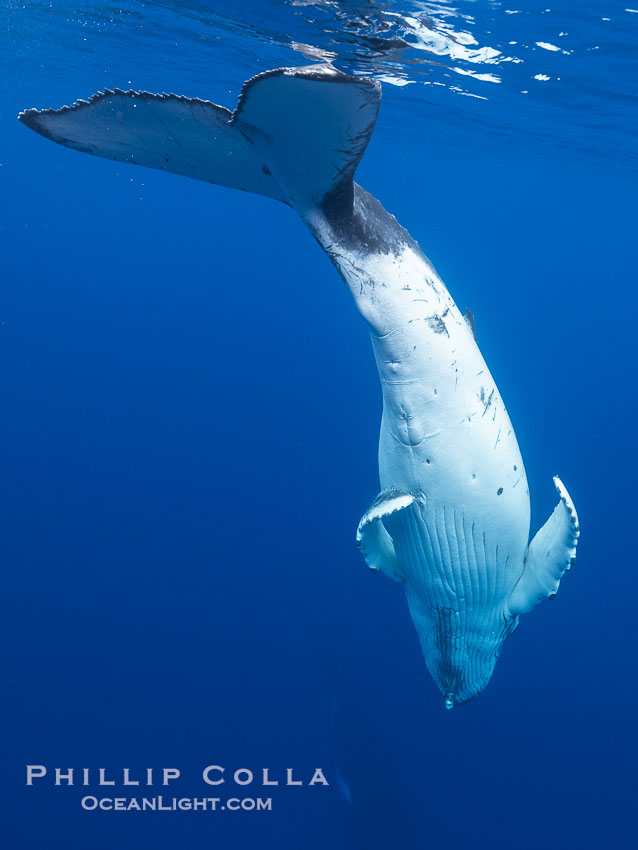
461, 662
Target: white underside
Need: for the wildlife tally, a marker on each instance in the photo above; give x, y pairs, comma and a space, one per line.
446, 438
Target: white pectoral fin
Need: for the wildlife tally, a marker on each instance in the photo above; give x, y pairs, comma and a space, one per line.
374, 541
550, 554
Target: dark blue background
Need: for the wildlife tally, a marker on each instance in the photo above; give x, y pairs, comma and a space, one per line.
189, 428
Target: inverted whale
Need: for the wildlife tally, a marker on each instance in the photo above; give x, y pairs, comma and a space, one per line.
452, 520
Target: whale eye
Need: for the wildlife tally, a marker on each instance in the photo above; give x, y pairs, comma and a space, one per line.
499, 491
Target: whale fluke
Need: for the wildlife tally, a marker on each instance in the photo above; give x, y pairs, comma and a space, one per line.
297, 134
550, 554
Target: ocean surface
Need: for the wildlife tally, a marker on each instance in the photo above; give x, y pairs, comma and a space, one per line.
190, 416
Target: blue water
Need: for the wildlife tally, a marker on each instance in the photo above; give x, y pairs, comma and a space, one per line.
190, 421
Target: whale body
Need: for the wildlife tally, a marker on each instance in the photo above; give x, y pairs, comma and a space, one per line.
452, 519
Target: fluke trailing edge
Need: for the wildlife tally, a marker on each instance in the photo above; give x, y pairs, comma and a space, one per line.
451, 522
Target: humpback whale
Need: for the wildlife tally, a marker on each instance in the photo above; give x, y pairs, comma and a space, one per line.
452, 520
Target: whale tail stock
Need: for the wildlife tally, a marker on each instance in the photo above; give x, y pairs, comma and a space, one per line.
296, 135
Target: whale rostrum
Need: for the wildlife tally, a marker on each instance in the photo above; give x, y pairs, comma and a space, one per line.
452, 520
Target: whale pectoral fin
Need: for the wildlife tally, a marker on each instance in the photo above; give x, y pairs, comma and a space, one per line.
550, 554
374, 541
